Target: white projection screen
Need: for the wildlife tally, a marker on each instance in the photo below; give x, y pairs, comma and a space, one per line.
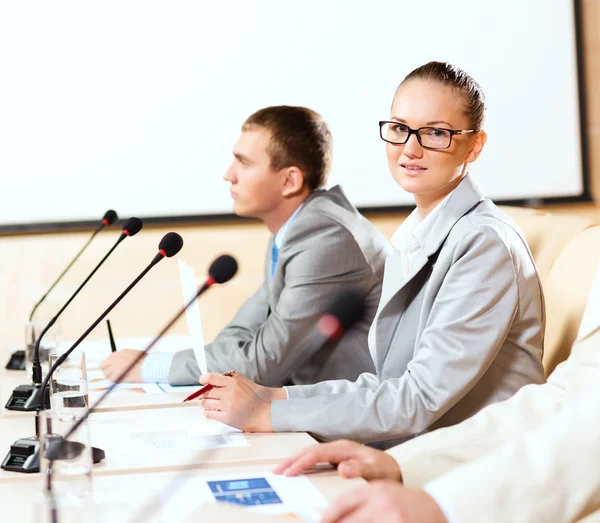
135, 105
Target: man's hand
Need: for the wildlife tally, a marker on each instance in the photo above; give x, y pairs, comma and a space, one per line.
235, 401
353, 461
384, 501
117, 362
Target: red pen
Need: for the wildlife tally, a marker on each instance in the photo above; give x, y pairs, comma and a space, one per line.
206, 388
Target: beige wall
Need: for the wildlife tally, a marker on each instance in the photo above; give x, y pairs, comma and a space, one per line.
29, 263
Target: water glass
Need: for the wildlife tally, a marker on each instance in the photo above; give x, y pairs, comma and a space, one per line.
65, 464
69, 387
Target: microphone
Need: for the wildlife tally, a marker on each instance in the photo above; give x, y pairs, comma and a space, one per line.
23, 397
24, 454
17, 359
345, 309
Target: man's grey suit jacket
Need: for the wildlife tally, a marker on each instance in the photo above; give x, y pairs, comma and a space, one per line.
463, 329
327, 247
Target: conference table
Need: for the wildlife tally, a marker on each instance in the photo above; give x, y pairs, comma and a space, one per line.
135, 485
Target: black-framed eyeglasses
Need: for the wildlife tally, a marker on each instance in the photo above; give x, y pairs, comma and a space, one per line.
429, 137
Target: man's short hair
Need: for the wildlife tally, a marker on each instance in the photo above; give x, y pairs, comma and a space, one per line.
299, 137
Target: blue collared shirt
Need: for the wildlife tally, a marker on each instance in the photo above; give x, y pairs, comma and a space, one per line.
278, 241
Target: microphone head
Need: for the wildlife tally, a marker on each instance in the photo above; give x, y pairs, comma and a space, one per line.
170, 244
223, 268
348, 307
132, 226
109, 217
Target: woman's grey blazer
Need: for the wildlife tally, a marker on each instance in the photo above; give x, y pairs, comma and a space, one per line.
462, 329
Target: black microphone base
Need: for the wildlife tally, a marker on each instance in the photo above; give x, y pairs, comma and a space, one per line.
24, 457
24, 398
16, 361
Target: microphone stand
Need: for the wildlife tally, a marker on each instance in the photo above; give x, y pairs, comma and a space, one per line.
24, 453
25, 397
57, 451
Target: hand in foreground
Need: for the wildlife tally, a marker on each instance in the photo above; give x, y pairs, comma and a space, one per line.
236, 401
353, 461
384, 500
117, 362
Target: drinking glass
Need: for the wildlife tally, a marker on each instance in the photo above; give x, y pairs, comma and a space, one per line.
65, 464
69, 386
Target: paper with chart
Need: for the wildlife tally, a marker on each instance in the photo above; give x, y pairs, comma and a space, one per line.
192, 314
261, 492
183, 438
182, 429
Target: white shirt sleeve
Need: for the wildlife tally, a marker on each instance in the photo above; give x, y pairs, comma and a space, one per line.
443, 502
156, 367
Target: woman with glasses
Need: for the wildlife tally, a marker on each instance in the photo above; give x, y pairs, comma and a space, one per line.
460, 324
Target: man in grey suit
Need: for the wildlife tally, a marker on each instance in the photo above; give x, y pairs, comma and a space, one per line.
320, 245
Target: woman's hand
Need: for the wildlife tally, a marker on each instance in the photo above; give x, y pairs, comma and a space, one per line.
353, 461
239, 402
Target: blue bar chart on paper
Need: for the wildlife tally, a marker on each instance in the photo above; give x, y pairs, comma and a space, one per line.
251, 491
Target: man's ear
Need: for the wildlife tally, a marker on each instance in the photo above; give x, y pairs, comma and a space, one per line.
293, 183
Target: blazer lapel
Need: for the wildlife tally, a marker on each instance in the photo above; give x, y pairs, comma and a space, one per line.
395, 287
425, 241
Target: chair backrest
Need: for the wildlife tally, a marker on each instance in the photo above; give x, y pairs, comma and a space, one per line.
566, 250
567, 289
546, 234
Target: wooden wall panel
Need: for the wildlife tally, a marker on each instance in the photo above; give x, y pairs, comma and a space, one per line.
591, 52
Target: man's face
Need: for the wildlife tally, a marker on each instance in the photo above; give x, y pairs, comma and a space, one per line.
255, 187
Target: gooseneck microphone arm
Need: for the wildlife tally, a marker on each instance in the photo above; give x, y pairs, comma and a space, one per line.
169, 246
56, 452
222, 270
108, 219
143, 353
66, 354
24, 397
24, 453
64, 272
37, 366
